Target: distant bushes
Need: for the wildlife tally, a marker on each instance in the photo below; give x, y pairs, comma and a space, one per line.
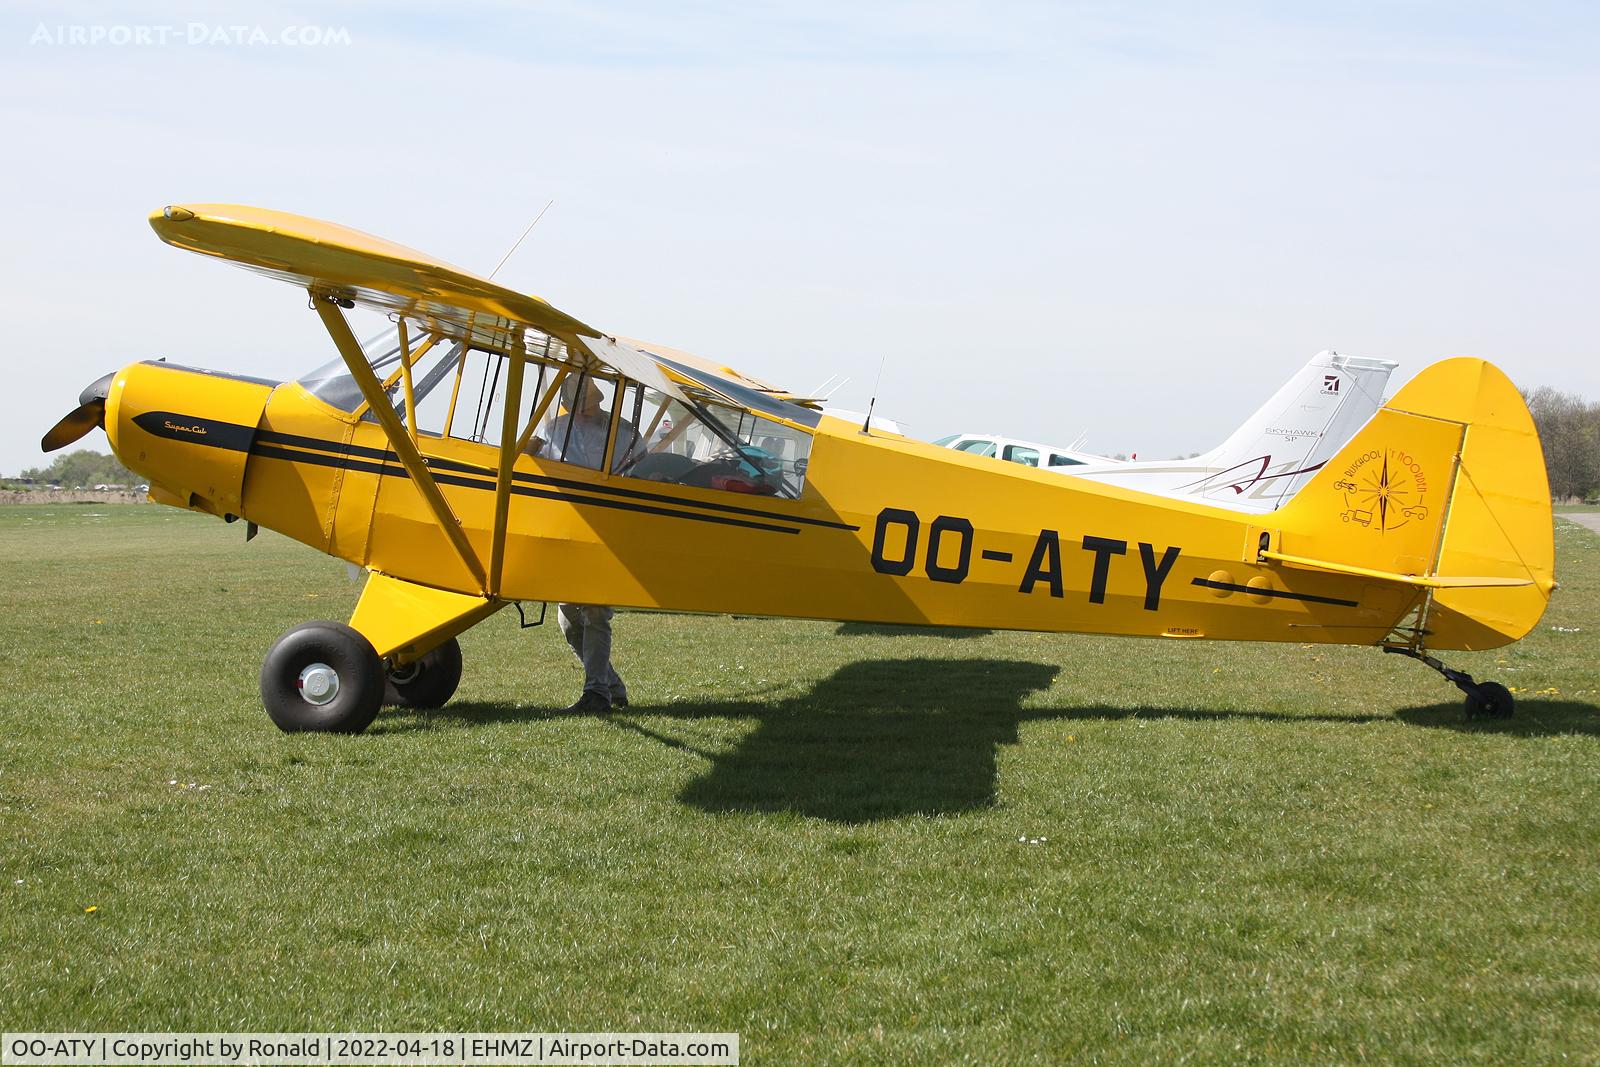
1569, 430
83, 467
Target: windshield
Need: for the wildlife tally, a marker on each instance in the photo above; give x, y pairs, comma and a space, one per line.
333, 384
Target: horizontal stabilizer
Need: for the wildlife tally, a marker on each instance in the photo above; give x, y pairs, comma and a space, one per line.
1426, 581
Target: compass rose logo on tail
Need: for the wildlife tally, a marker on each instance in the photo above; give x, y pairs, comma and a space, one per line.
1384, 489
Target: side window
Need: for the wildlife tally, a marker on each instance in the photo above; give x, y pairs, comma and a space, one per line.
458, 391
1028, 457
469, 399
578, 422
977, 446
709, 445
1058, 460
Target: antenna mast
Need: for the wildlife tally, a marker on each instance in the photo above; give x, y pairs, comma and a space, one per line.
866, 427
524, 237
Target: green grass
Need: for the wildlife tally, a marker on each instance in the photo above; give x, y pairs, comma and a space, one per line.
848, 843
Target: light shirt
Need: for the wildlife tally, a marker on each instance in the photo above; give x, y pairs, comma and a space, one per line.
586, 445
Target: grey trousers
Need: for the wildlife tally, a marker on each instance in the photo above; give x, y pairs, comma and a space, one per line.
587, 628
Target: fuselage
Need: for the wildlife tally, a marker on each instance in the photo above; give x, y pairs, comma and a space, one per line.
886, 529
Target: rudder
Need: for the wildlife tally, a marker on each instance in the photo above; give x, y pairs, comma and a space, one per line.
1445, 489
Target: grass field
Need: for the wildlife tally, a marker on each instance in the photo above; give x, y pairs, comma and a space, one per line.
848, 843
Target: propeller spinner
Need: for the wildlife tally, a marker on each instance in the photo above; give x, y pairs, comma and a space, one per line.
90, 412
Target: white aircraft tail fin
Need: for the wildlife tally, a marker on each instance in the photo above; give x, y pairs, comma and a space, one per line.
1264, 462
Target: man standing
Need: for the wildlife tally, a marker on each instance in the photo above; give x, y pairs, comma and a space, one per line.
578, 436
587, 628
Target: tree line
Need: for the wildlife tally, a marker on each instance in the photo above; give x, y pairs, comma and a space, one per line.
1569, 430
84, 467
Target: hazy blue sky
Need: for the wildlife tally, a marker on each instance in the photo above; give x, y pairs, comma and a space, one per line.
1130, 221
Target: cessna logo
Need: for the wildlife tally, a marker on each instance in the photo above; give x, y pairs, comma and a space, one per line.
1384, 489
1330, 383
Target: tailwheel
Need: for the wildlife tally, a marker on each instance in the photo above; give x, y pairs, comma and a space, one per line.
322, 677
1490, 700
428, 682
1485, 700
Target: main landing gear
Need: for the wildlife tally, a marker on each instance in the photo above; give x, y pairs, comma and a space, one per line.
325, 677
1485, 700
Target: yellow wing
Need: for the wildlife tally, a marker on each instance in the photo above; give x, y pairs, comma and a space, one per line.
391, 278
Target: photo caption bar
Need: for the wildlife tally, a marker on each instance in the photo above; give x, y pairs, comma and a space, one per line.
369, 1048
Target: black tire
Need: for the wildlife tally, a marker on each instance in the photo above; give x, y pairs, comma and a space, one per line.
430, 682
1490, 700
357, 680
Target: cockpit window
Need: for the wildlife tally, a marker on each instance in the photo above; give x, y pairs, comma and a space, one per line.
578, 425
334, 385
460, 392
708, 444
332, 382
977, 446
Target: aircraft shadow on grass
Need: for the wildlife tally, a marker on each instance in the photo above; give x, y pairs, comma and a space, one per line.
1534, 718
881, 739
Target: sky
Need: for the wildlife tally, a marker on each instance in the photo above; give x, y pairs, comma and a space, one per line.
1125, 222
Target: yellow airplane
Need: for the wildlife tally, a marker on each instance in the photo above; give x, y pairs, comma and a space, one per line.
489, 449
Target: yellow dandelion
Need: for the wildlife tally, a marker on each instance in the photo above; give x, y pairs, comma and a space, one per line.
91, 909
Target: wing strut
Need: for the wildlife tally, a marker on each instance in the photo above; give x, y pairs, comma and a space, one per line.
405, 376
508, 458
399, 439
543, 407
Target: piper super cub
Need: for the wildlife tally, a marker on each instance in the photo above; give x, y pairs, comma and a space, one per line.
419, 457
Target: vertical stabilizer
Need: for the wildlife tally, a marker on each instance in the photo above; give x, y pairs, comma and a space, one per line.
1443, 489
1267, 460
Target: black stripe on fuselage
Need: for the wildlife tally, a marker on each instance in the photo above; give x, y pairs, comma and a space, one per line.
444, 478
1279, 594
238, 438
436, 463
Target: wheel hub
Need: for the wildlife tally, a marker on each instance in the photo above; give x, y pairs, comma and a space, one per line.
318, 684
407, 674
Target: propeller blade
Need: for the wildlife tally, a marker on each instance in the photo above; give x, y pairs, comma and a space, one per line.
77, 423
91, 412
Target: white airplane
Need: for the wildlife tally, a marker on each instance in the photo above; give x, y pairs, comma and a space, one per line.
1273, 454
1016, 450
